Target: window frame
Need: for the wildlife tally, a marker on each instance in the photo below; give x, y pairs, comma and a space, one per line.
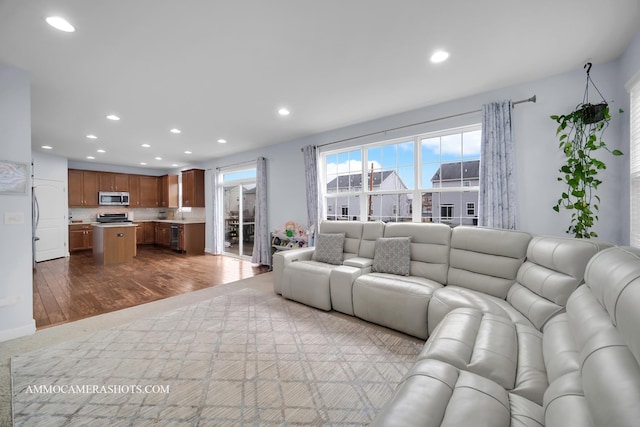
414, 192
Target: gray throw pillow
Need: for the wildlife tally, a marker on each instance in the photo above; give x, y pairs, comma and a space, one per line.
392, 255
329, 248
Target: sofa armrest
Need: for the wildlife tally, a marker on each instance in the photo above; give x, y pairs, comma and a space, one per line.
342, 279
282, 259
358, 262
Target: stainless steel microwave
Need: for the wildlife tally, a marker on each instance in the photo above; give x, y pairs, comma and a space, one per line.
113, 198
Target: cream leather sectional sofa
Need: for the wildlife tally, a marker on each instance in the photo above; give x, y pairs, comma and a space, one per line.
513, 337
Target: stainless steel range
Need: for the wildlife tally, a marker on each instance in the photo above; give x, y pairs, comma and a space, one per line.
113, 217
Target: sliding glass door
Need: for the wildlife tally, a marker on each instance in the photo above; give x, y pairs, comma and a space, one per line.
239, 198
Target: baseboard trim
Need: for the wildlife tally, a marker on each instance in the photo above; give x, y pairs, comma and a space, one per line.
22, 331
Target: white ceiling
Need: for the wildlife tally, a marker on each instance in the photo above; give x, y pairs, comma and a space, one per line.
222, 68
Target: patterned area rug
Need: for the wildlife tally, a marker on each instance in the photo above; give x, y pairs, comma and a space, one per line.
243, 359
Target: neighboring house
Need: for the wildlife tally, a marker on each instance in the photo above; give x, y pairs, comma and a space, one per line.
385, 207
454, 207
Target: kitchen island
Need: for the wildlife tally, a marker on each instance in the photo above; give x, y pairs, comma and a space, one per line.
114, 243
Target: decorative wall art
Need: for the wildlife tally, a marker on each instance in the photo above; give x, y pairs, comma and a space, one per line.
13, 177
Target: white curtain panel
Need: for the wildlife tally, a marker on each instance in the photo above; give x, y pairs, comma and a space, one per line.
217, 241
497, 199
261, 247
311, 174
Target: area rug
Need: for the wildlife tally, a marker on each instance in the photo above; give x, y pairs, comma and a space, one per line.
246, 358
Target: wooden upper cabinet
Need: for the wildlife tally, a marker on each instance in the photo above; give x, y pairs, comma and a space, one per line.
83, 188
134, 191
149, 191
168, 186
110, 181
193, 188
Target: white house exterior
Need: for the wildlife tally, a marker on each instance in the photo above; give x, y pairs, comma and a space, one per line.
384, 207
454, 207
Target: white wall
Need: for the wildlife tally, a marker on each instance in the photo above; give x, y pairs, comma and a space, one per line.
49, 166
538, 156
16, 286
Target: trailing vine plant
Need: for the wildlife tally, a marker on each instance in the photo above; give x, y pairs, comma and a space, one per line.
580, 137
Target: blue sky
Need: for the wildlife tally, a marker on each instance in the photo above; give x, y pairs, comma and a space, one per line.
400, 157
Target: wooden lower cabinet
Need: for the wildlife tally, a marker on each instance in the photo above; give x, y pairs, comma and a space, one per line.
80, 237
163, 234
191, 238
145, 233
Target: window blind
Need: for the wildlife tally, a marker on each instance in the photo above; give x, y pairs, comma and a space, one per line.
635, 162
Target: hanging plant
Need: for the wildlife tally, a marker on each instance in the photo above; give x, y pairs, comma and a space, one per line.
581, 136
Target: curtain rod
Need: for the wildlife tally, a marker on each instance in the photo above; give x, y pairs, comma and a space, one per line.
247, 162
531, 99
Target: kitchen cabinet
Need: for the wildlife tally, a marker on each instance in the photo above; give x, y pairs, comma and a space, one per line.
148, 191
193, 188
110, 181
168, 186
113, 243
145, 233
163, 234
83, 188
134, 191
191, 238
80, 237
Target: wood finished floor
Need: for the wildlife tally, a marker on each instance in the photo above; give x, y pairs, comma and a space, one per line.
73, 288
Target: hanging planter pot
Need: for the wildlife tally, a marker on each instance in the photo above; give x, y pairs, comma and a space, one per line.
593, 113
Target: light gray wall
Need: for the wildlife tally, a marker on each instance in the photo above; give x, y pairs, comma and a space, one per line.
16, 283
49, 166
74, 164
537, 155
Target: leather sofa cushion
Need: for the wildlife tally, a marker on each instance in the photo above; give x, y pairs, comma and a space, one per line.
429, 248
308, 282
449, 298
493, 347
486, 259
434, 393
553, 270
397, 302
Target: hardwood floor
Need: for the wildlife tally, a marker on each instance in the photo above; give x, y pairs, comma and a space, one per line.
73, 288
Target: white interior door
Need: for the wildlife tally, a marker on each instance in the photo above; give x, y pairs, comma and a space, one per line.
51, 216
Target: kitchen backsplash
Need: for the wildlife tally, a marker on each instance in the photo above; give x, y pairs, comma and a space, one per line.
90, 214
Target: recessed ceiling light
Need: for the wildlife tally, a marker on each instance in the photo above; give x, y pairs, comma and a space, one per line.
113, 117
284, 112
60, 23
145, 145
101, 151
90, 157
92, 136
439, 56
143, 163
187, 152
158, 158
47, 147
175, 130
174, 165
222, 141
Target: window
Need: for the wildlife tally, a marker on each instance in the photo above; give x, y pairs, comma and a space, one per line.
635, 161
446, 212
471, 209
424, 178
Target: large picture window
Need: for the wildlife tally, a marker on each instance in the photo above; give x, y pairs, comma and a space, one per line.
426, 178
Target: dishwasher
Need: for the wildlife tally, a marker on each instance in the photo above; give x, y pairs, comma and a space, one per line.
174, 237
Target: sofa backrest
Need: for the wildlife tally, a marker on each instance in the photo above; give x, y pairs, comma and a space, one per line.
554, 268
352, 231
604, 319
429, 247
486, 259
370, 233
